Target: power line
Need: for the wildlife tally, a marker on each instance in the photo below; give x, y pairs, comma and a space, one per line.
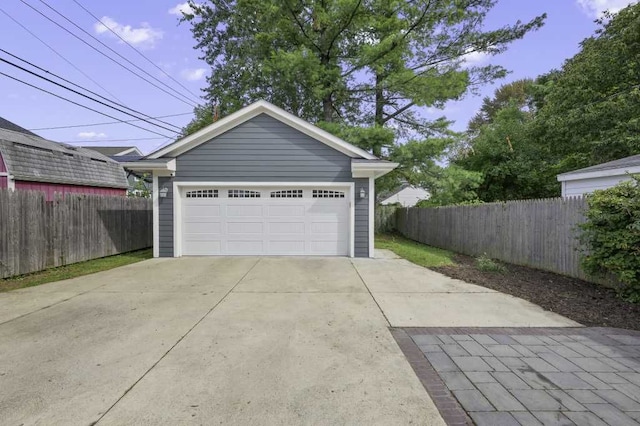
133, 47
77, 85
83, 95
112, 50
114, 140
80, 105
188, 102
58, 54
106, 123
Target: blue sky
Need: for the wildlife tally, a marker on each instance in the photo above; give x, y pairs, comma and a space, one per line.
152, 26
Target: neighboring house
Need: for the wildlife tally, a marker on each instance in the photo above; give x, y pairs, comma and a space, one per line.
30, 162
406, 195
115, 151
262, 181
124, 154
601, 176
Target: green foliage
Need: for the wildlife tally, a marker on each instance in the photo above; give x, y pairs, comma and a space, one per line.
512, 165
584, 114
591, 111
611, 236
486, 264
140, 189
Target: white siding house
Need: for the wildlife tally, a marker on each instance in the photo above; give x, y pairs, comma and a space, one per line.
406, 195
601, 176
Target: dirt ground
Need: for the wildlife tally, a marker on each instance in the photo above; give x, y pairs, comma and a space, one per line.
589, 304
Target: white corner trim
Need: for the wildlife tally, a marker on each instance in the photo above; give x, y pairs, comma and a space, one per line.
620, 171
156, 217
11, 183
148, 165
372, 197
129, 151
373, 169
247, 113
177, 219
177, 203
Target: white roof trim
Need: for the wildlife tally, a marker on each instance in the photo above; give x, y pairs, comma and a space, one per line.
373, 169
620, 171
261, 107
129, 151
148, 165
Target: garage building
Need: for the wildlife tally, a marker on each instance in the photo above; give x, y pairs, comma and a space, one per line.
262, 181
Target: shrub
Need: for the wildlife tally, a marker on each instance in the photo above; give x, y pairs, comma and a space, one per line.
611, 236
486, 264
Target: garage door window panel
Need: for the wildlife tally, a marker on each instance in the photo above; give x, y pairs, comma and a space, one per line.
243, 193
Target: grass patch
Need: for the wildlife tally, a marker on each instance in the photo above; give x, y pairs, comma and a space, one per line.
420, 254
74, 270
486, 264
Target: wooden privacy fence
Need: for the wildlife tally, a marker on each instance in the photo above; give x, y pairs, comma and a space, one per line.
537, 233
36, 234
385, 218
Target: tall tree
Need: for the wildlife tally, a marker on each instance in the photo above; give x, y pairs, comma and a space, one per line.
362, 63
592, 106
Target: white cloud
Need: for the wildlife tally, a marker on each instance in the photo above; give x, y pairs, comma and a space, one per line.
474, 58
596, 8
143, 36
193, 74
91, 135
181, 9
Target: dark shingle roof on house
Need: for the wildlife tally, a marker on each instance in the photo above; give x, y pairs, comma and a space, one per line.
8, 125
32, 158
632, 161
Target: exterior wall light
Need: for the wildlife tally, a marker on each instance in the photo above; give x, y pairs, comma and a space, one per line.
363, 194
162, 193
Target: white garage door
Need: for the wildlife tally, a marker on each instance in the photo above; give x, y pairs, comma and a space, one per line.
265, 221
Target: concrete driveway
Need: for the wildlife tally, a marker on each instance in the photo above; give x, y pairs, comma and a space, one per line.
232, 340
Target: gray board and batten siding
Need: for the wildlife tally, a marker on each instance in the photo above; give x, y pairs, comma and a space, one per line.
263, 149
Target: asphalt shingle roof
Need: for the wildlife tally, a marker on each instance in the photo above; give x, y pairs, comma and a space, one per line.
32, 158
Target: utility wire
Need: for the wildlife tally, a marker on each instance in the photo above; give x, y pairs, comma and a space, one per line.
80, 87
136, 50
83, 95
80, 105
59, 54
105, 55
73, 126
114, 51
114, 140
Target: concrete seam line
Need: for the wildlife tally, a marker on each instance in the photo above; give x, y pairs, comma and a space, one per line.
175, 344
54, 304
370, 294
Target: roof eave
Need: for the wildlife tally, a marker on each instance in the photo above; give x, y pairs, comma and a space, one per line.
373, 169
144, 166
578, 175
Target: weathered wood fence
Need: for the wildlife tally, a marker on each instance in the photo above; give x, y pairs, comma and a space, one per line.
537, 233
36, 234
385, 218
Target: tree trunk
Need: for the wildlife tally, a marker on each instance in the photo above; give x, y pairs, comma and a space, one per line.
327, 108
379, 111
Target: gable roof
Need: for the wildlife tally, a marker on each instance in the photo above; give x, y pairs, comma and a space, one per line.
261, 107
111, 151
612, 168
32, 158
